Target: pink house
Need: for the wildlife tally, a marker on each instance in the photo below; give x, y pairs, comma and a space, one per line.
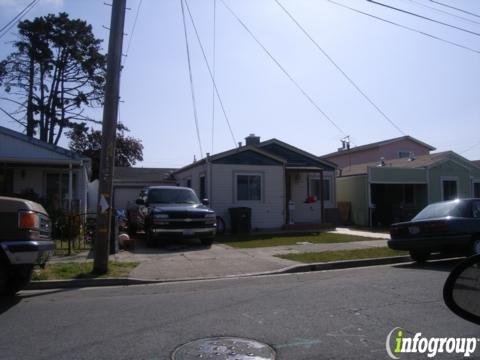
401, 147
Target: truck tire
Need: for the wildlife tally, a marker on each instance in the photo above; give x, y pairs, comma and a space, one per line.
3, 278
132, 230
207, 241
148, 238
419, 256
19, 278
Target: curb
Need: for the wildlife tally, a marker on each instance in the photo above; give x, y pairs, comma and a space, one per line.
334, 265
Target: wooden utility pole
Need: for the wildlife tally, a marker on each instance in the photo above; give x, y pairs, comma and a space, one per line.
109, 132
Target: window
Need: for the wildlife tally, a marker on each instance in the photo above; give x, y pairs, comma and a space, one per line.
476, 189
189, 183
449, 189
203, 192
403, 154
315, 189
249, 187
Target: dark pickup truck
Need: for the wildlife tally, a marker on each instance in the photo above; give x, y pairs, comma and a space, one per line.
25, 241
172, 211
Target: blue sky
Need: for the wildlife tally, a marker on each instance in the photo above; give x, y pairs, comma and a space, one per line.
430, 89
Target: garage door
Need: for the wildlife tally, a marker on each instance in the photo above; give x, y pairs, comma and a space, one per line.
122, 196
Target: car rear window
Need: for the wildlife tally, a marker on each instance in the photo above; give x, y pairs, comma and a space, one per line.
172, 196
454, 208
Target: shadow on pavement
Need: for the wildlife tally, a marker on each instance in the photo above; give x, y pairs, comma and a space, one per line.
167, 246
7, 302
438, 265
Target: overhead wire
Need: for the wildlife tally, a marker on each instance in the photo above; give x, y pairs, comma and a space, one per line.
455, 8
130, 39
192, 88
443, 11
213, 68
423, 17
211, 75
334, 63
6, 28
287, 74
405, 27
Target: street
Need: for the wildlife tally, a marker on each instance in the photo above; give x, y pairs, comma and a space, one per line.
344, 314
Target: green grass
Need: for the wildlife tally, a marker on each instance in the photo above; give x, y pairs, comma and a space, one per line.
313, 257
81, 270
268, 240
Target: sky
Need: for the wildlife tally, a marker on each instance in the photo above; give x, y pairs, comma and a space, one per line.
428, 88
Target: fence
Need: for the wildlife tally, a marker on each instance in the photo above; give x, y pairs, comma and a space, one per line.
73, 233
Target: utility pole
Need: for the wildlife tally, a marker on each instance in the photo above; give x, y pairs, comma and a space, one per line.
109, 132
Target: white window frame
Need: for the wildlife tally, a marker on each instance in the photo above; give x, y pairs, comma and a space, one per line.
235, 186
448, 178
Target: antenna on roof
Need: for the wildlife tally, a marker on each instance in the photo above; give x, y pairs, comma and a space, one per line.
345, 143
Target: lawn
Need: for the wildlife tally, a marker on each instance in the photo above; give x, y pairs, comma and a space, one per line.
81, 270
324, 256
269, 240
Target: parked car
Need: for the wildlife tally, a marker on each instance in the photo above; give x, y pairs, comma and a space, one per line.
25, 241
171, 211
449, 227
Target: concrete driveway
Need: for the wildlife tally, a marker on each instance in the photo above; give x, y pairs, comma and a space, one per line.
189, 259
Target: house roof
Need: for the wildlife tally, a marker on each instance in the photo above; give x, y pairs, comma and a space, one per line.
476, 162
54, 148
377, 144
277, 150
141, 175
419, 162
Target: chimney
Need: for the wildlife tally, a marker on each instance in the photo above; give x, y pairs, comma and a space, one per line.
252, 140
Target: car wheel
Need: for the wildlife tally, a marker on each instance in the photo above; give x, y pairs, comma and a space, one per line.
419, 256
474, 248
207, 241
3, 278
20, 277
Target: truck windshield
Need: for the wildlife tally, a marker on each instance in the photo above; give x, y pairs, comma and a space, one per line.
172, 196
454, 208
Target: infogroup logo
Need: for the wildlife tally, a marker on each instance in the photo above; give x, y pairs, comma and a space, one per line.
397, 343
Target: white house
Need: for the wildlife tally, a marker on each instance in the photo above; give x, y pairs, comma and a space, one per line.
265, 176
57, 176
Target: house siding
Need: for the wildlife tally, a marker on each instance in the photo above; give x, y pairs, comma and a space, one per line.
266, 214
397, 175
354, 189
388, 151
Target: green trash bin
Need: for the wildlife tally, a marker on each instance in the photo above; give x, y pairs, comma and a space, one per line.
240, 220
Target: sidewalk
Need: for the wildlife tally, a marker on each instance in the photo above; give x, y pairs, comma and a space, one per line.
188, 259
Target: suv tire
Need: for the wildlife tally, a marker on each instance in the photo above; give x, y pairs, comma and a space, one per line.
20, 276
419, 256
3, 278
207, 241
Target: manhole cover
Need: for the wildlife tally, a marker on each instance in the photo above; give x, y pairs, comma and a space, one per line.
224, 348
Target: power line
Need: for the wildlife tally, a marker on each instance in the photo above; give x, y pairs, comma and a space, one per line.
6, 28
405, 27
443, 11
211, 74
424, 17
213, 67
349, 79
132, 31
455, 8
297, 85
195, 116
470, 148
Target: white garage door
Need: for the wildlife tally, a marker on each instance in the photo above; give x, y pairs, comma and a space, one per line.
122, 196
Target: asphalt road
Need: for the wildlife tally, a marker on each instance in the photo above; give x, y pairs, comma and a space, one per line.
343, 314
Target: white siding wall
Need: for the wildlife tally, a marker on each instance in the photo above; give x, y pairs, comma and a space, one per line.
194, 175
267, 213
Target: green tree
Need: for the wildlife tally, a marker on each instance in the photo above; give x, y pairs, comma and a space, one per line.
54, 74
88, 141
